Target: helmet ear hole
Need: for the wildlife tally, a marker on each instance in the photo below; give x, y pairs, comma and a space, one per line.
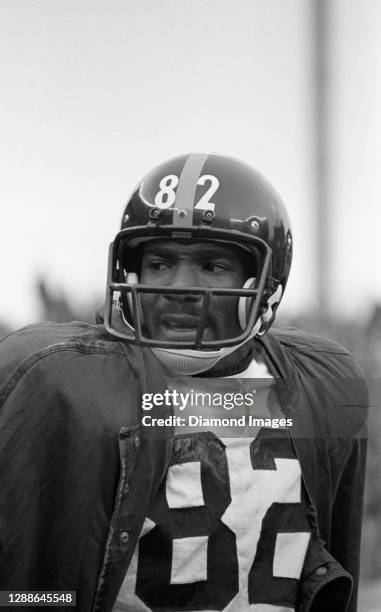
272, 302
268, 316
244, 304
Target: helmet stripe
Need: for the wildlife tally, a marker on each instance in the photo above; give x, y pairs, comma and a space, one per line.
186, 189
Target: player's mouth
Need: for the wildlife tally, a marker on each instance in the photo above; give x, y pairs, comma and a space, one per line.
180, 322
180, 327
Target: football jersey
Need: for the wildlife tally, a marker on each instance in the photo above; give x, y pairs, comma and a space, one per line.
228, 528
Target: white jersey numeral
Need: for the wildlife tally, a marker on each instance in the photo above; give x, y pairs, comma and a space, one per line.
227, 530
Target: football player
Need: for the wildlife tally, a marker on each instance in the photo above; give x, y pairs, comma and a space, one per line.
165, 512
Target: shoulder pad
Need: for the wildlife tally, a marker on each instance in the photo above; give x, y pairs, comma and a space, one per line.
328, 376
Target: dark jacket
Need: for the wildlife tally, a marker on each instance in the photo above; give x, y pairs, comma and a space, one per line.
78, 470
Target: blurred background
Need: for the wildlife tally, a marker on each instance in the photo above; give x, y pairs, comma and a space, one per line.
95, 93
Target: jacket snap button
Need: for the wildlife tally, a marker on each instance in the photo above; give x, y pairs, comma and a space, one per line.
124, 537
137, 442
321, 571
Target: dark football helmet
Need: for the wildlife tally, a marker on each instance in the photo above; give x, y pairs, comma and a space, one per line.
202, 197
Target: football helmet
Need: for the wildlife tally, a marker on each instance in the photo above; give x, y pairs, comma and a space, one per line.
201, 197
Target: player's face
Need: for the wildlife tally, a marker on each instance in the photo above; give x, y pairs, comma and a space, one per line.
191, 264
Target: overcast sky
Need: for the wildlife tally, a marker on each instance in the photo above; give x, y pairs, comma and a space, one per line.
94, 93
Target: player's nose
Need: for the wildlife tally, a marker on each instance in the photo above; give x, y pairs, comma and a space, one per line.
184, 274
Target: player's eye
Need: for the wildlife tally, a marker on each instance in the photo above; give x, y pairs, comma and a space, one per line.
215, 267
157, 265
